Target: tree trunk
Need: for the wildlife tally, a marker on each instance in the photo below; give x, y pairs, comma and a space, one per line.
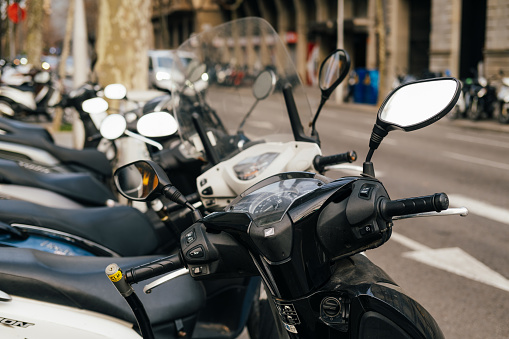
123, 42
35, 14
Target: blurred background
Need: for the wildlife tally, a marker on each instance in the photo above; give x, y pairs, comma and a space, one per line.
388, 40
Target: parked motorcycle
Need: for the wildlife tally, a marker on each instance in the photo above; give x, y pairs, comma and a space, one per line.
483, 98
304, 234
30, 99
183, 168
502, 104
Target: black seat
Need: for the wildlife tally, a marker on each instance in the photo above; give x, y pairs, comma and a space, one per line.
80, 187
123, 229
87, 158
14, 126
80, 282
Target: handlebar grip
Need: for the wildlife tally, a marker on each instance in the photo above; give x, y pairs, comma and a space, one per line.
436, 202
153, 269
319, 162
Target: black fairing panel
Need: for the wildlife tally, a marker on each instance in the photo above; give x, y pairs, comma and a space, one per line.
81, 282
107, 226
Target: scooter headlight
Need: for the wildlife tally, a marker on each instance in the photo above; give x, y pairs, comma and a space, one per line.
251, 167
163, 76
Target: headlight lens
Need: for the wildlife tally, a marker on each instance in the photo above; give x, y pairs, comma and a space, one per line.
251, 167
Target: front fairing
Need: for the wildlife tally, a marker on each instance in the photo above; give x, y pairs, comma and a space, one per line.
234, 54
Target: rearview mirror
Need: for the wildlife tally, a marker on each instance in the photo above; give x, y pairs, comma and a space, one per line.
332, 71
418, 104
141, 180
157, 124
115, 91
95, 105
264, 84
113, 126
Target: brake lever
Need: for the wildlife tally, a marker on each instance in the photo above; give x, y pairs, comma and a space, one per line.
149, 287
462, 211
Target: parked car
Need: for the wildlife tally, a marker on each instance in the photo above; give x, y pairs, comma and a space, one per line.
161, 71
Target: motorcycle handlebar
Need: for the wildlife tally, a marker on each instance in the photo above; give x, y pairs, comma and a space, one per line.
319, 162
153, 269
391, 208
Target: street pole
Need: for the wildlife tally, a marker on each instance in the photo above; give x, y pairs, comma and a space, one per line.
340, 44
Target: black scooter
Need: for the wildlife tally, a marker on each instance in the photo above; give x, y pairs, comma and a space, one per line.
304, 233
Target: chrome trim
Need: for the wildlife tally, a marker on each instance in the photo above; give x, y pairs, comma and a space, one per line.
84, 243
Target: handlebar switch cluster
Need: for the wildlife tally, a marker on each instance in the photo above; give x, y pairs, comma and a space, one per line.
197, 250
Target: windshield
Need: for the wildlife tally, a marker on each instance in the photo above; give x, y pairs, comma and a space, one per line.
234, 84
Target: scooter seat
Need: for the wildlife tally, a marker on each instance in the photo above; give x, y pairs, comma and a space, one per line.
80, 282
13, 126
80, 187
123, 229
88, 158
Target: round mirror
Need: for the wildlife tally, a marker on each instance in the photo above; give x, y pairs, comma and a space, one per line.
157, 124
418, 104
42, 77
333, 70
115, 91
264, 84
95, 105
195, 70
113, 126
136, 181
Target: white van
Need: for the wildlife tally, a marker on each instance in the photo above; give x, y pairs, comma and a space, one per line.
161, 71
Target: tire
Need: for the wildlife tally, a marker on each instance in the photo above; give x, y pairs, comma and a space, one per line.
475, 110
503, 113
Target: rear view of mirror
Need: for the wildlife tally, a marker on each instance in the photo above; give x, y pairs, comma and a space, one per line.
264, 84
332, 71
418, 104
137, 181
410, 107
157, 124
95, 105
113, 126
115, 91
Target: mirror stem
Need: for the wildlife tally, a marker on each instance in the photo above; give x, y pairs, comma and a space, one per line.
172, 193
313, 128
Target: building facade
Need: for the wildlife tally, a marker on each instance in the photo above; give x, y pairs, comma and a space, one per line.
457, 37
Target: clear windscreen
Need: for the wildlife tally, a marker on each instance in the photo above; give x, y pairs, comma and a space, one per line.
234, 85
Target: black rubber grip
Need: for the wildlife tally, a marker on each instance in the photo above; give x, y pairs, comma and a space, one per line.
319, 162
153, 269
436, 202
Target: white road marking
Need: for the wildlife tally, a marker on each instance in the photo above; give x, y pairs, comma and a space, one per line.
477, 140
480, 208
453, 260
475, 160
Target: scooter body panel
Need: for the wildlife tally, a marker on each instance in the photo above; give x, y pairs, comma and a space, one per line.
27, 318
22, 98
221, 184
